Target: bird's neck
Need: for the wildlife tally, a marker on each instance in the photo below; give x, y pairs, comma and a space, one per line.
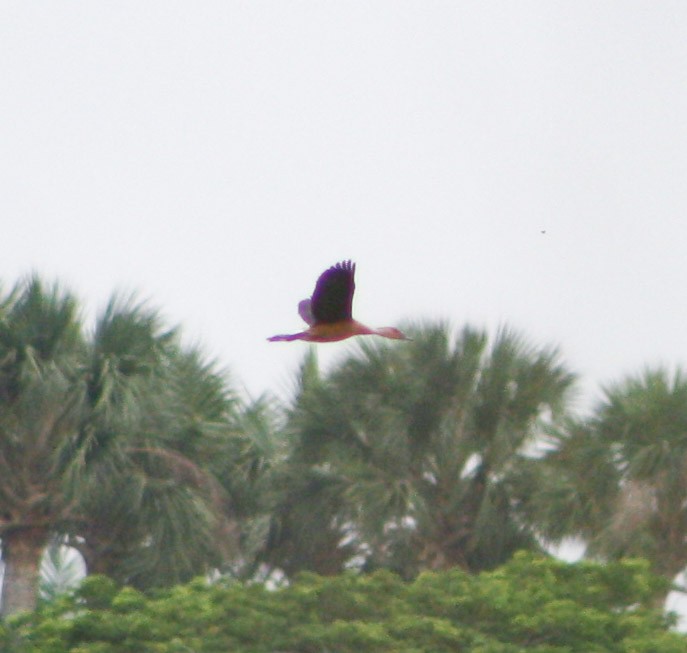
385, 332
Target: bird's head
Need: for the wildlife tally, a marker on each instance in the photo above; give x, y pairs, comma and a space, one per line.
393, 333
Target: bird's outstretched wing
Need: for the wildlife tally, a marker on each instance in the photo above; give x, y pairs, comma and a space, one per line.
332, 299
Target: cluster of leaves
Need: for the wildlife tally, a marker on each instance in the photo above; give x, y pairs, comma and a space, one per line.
410, 455
133, 449
531, 603
429, 456
116, 441
618, 479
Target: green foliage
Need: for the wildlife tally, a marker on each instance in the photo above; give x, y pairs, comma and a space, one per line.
410, 454
155, 414
618, 479
119, 442
532, 604
133, 449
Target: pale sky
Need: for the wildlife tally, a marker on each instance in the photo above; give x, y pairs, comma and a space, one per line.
216, 156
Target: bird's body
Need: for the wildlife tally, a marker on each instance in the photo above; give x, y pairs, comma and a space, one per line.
329, 311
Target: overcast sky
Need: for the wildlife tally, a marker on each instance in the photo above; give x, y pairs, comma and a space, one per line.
519, 163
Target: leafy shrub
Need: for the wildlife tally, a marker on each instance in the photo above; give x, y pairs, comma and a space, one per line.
532, 603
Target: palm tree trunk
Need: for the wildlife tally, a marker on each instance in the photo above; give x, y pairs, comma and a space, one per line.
22, 550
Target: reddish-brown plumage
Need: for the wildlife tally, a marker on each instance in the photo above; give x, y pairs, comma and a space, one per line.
329, 311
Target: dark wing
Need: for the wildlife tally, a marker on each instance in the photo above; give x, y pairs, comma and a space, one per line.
332, 299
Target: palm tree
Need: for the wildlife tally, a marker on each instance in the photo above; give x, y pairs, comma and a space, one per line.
103, 441
618, 480
41, 346
245, 467
411, 453
305, 500
155, 415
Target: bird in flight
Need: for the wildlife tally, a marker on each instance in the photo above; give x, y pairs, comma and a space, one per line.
329, 311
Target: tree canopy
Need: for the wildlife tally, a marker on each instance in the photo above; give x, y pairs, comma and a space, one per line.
618, 478
407, 457
123, 443
108, 440
532, 603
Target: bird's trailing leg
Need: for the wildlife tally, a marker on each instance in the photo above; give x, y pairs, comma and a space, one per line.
288, 337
